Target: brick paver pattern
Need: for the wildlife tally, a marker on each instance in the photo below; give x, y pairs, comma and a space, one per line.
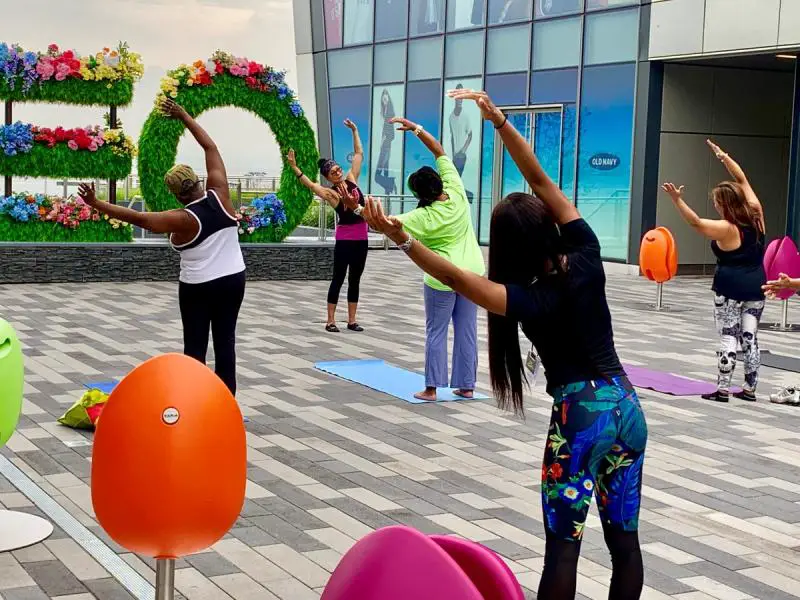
329, 461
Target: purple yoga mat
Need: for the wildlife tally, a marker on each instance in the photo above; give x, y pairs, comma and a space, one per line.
667, 383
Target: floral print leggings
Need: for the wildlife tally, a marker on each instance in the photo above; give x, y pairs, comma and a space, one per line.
737, 324
595, 445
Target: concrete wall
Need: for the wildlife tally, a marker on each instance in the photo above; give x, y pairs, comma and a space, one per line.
78, 263
708, 27
748, 113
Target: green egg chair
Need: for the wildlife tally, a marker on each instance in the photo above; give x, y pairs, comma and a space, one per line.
17, 529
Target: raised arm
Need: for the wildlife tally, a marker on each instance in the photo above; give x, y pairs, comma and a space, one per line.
431, 143
520, 150
713, 229
170, 221
216, 176
327, 194
358, 153
481, 291
737, 173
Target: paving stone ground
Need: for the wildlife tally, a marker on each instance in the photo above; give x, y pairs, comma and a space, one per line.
329, 460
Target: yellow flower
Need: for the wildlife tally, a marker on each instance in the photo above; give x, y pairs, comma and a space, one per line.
173, 94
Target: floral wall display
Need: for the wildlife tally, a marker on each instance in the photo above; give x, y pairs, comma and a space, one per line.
101, 79
37, 217
105, 78
226, 80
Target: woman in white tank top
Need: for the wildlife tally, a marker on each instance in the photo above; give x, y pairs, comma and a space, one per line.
205, 232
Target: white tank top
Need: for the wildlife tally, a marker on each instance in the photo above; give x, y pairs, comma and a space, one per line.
214, 252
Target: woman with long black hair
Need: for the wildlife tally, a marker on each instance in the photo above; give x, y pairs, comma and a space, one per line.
738, 241
546, 274
205, 233
352, 243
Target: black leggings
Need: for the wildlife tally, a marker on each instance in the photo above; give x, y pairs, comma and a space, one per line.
352, 255
214, 303
559, 576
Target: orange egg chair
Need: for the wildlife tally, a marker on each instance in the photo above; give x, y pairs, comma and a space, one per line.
658, 255
169, 463
658, 259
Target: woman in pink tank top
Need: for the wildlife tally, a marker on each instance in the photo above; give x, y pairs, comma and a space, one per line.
350, 251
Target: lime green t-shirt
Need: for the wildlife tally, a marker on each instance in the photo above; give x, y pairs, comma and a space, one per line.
446, 226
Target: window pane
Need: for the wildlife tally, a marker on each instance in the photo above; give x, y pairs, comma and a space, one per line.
553, 8
508, 89
423, 106
508, 11
462, 14
425, 58
513, 181
350, 67
569, 119
604, 165
508, 49
390, 62
557, 44
427, 16
391, 19
599, 4
357, 21
554, 87
547, 141
354, 104
611, 37
487, 172
461, 131
387, 142
464, 55
333, 23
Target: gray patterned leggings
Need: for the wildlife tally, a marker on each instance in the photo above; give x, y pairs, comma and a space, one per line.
737, 323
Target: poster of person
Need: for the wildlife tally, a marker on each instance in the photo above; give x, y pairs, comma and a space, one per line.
358, 21
461, 134
387, 142
465, 13
508, 11
427, 16
333, 23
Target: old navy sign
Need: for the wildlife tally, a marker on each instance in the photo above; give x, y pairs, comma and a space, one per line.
604, 161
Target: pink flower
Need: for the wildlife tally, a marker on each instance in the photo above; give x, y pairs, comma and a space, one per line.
93, 146
45, 68
53, 48
73, 145
60, 218
96, 217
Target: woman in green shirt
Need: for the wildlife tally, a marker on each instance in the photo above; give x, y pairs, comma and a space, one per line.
442, 221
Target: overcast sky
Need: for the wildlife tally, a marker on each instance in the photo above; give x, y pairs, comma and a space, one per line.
166, 33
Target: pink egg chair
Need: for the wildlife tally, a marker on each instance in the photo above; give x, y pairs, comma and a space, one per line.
781, 256
400, 563
486, 570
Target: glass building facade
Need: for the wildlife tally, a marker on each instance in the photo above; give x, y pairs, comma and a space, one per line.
565, 71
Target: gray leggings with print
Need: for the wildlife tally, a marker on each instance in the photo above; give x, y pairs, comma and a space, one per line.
737, 324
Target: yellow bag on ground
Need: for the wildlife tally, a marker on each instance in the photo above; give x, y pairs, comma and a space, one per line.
85, 413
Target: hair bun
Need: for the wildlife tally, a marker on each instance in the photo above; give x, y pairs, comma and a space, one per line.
321, 162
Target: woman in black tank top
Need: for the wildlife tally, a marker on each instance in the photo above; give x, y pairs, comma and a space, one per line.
738, 242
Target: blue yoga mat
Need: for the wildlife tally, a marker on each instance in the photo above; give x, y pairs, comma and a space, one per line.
104, 386
382, 377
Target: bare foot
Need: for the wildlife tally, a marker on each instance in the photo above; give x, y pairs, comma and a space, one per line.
463, 393
429, 395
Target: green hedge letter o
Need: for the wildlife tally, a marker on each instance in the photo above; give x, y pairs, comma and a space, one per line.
158, 146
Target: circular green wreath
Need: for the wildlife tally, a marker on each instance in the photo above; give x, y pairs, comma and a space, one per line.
158, 146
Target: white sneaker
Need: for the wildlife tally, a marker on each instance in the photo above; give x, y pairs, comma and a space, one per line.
789, 395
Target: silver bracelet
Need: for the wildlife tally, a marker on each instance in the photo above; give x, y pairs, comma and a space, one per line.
418, 130
406, 246
358, 210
